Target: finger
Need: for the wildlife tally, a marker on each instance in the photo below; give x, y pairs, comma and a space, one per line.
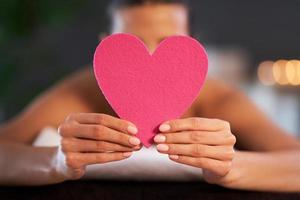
220, 168
198, 150
80, 145
95, 158
192, 124
98, 132
78, 160
196, 137
105, 120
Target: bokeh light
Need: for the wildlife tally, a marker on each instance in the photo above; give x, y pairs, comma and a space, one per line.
279, 72
282, 72
291, 72
265, 74
298, 71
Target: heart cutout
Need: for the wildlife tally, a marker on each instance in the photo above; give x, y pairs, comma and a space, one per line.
148, 89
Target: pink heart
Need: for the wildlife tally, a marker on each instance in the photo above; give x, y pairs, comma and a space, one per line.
150, 89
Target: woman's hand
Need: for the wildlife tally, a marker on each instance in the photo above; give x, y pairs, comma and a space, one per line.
89, 138
199, 142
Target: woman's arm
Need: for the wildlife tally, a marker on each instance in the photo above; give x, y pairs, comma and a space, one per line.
87, 138
277, 171
270, 160
271, 157
253, 129
26, 165
23, 164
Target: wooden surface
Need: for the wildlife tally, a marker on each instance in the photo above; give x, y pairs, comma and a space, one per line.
107, 190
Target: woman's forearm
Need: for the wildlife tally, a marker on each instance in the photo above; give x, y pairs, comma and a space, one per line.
267, 171
26, 165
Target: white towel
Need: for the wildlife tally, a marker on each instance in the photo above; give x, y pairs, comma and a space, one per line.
145, 164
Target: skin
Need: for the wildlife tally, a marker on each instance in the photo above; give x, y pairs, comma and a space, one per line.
222, 132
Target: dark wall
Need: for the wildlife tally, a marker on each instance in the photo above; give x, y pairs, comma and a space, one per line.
269, 29
43, 41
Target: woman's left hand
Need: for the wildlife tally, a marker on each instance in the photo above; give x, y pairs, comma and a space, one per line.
200, 142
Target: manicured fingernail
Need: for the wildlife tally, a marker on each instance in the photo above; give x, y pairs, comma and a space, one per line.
164, 127
132, 129
136, 147
174, 157
162, 147
127, 154
134, 141
159, 138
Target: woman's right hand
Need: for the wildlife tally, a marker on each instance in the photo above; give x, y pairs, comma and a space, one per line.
90, 138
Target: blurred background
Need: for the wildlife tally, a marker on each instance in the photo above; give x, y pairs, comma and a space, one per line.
253, 45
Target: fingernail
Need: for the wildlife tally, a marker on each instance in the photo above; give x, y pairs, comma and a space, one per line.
136, 147
127, 154
164, 127
162, 147
159, 138
174, 157
134, 141
132, 129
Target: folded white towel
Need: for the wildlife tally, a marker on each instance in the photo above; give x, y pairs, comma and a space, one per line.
143, 165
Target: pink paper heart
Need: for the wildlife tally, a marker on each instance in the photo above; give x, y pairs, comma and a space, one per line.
148, 89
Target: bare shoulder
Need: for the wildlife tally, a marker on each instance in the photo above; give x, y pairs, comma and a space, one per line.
83, 84
214, 92
78, 80
77, 92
